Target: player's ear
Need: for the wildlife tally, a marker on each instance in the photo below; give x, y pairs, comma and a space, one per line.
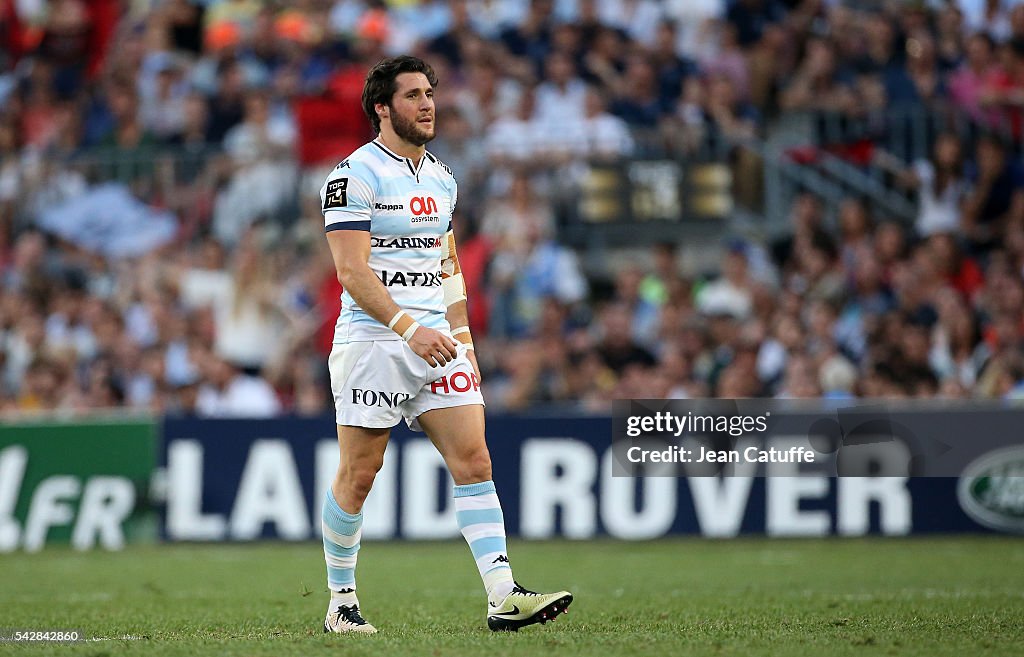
382, 110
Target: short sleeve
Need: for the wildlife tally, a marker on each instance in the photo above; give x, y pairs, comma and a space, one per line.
346, 199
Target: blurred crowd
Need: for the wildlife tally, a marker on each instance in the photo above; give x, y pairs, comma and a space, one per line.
161, 246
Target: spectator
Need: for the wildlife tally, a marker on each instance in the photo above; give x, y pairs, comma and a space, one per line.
608, 137
229, 393
448, 44
732, 293
617, 347
919, 80
995, 204
524, 278
638, 100
513, 142
163, 95
731, 63
855, 229
725, 113
247, 313
818, 84
511, 219
1004, 93
603, 61
751, 17
530, 37
940, 185
559, 100
656, 285
969, 84
637, 18
988, 16
264, 174
644, 315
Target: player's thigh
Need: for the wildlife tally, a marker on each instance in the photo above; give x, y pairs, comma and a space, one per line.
457, 432
361, 448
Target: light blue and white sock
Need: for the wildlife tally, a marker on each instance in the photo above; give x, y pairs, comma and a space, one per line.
341, 547
482, 524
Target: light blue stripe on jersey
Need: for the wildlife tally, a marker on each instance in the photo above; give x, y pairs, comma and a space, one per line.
399, 254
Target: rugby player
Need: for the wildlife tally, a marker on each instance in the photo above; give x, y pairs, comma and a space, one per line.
402, 346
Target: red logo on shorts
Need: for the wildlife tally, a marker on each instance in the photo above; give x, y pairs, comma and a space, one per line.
458, 382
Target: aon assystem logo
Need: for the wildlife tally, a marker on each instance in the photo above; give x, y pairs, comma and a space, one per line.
420, 205
991, 490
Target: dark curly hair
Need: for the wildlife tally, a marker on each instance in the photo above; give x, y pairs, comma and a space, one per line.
381, 86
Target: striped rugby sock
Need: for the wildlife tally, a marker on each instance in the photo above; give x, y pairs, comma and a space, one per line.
482, 524
341, 544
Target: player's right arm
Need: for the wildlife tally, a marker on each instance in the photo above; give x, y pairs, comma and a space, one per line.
346, 201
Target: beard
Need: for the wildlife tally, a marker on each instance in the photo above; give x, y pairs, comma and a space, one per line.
410, 131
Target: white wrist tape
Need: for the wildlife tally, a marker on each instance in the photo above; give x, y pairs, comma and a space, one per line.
410, 331
463, 330
394, 320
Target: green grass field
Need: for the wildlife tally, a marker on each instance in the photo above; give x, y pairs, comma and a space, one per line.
946, 596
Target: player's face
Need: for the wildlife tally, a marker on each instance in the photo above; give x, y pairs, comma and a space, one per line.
412, 109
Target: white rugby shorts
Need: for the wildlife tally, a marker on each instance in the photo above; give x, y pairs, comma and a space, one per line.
376, 384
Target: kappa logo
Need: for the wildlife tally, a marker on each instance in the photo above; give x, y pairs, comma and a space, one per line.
378, 398
501, 559
458, 382
388, 207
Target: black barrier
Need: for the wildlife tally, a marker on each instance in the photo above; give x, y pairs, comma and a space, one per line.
248, 479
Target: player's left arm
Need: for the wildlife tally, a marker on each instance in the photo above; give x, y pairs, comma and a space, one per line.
454, 286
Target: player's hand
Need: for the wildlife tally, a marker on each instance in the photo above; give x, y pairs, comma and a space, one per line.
471, 355
433, 346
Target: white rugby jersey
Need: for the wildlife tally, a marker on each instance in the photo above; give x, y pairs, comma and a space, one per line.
407, 211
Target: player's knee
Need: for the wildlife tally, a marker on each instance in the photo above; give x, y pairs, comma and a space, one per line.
357, 479
359, 482
474, 465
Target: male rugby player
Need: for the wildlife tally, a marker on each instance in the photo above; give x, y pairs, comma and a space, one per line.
402, 346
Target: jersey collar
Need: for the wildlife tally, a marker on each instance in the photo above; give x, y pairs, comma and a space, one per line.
413, 169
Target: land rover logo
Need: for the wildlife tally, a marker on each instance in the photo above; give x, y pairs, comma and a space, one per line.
991, 490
